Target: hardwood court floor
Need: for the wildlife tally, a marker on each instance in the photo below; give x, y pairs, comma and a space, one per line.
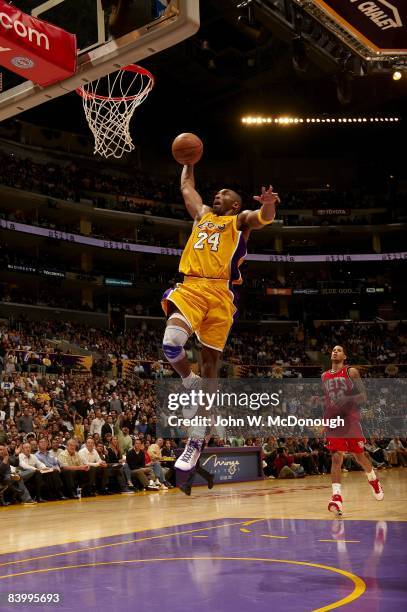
265, 545
62, 522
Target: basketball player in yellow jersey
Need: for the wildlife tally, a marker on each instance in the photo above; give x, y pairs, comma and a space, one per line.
204, 303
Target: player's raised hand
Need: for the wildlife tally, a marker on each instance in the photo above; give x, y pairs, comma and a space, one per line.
268, 196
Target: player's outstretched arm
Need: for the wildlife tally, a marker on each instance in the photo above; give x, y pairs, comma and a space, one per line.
257, 219
192, 199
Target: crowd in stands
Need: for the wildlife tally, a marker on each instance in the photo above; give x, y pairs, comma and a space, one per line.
336, 276
140, 234
317, 221
366, 344
390, 279
274, 349
72, 182
66, 436
150, 272
332, 199
43, 336
296, 457
46, 297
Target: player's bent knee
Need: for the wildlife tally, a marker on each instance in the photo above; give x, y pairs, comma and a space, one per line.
173, 343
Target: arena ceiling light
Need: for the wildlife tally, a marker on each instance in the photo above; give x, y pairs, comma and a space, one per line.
284, 120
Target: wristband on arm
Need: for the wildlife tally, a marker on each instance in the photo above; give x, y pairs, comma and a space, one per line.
263, 221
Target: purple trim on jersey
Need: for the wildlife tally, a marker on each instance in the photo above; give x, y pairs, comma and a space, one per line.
241, 251
236, 296
167, 293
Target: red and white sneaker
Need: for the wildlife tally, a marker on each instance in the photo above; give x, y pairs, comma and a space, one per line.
377, 489
335, 505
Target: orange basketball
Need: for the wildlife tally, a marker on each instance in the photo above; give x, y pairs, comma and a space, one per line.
187, 149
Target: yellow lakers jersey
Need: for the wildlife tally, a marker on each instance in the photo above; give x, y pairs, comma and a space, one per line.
215, 249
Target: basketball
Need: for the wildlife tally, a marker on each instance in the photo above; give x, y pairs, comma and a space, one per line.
187, 149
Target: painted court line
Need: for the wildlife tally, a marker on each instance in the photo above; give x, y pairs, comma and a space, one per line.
348, 541
358, 584
112, 544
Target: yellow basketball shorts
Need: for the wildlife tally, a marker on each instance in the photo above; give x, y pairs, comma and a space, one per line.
208, 305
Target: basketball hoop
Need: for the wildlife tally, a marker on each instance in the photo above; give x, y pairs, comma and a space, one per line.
109, 104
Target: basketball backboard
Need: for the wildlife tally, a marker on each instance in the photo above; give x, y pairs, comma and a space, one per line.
169, 22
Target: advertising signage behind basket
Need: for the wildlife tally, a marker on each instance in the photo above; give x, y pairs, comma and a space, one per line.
330, 212
380, 24
145, 248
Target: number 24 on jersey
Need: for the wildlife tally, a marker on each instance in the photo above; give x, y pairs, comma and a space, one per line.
204, 238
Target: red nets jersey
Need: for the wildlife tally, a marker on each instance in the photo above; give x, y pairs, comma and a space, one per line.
338, 385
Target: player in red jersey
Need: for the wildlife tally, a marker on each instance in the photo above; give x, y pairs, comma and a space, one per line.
344, 393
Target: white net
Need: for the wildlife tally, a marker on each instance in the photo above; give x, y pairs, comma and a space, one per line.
109, 104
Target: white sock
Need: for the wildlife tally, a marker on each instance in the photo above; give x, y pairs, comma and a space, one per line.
371, 475
189, 380
336, 488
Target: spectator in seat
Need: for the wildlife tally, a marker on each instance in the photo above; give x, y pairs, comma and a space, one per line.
237, 440
33, 443
54, 480
46, 364
75, 472
98, 472
269, 454
78, 429
96, 438
31, 469
152, 427
86, 429
114, 470
107, 438
397, 448
307, 457
284, 465
376, 453
8, 476
324, 459
3, 433
167, 450
97, 423
115, 456
155, 454
125, 441
136, 461
107, 427
116, 403
55, 449
128, 420
142, 426
25, 423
